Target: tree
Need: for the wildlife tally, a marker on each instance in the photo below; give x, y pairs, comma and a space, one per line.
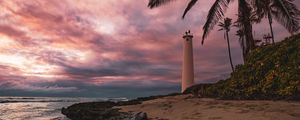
244, 15
215, 14
284, 11
225, 26
240, 24
240, 33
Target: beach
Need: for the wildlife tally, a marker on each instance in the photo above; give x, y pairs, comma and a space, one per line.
186, 107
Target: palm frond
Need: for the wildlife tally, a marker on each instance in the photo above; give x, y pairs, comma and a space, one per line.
221, 24
157, 3
287, 14
216, 13
262, 7
188, 8
254, 17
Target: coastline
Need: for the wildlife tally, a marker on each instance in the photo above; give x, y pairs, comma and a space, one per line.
186, 107
106, 110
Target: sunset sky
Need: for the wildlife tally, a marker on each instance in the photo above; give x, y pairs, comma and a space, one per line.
108, 48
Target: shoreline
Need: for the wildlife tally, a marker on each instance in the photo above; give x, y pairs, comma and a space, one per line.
105, 110
186, 107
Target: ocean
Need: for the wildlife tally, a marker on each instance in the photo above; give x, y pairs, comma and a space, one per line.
40, 108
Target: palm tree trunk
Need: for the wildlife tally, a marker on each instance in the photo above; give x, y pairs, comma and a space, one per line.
229, 51
271, 28
245, 11
243, 47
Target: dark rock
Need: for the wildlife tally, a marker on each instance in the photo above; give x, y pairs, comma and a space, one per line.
105, 110
94, 111
140, 116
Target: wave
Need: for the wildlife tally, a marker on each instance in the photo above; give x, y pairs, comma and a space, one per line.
25, 98
15, 101
50, 99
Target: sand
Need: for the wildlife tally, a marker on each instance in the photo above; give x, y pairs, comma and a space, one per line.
185, 107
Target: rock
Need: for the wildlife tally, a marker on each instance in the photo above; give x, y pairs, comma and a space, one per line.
94, 111
140, 116
106, 111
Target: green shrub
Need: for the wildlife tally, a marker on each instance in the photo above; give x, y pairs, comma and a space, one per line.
270, 72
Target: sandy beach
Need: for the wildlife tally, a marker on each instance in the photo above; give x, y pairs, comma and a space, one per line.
185, 107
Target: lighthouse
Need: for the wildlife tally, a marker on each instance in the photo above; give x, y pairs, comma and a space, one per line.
188, 62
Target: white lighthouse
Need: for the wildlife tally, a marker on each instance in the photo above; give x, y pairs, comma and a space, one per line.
188, 62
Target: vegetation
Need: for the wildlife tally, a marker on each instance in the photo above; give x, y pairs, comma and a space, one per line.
225, 26
215, 14
157, 3
244, 23
283, 11
270, 72
242, 42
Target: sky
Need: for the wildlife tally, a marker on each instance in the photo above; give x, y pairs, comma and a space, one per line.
108, 48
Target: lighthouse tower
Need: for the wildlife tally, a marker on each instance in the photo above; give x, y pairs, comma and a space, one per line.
188, 62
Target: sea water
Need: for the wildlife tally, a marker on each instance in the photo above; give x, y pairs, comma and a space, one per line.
40, 108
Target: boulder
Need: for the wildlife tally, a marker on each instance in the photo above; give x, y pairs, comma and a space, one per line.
140, 116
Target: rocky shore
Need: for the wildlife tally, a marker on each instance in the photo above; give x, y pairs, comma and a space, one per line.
185, 107
107, 110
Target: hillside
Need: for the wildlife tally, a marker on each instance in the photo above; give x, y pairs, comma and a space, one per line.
270, 72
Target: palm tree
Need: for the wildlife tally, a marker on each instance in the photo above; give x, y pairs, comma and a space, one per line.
284, 11
215, 14
245, 45
240, 33
244, 16
225, 26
